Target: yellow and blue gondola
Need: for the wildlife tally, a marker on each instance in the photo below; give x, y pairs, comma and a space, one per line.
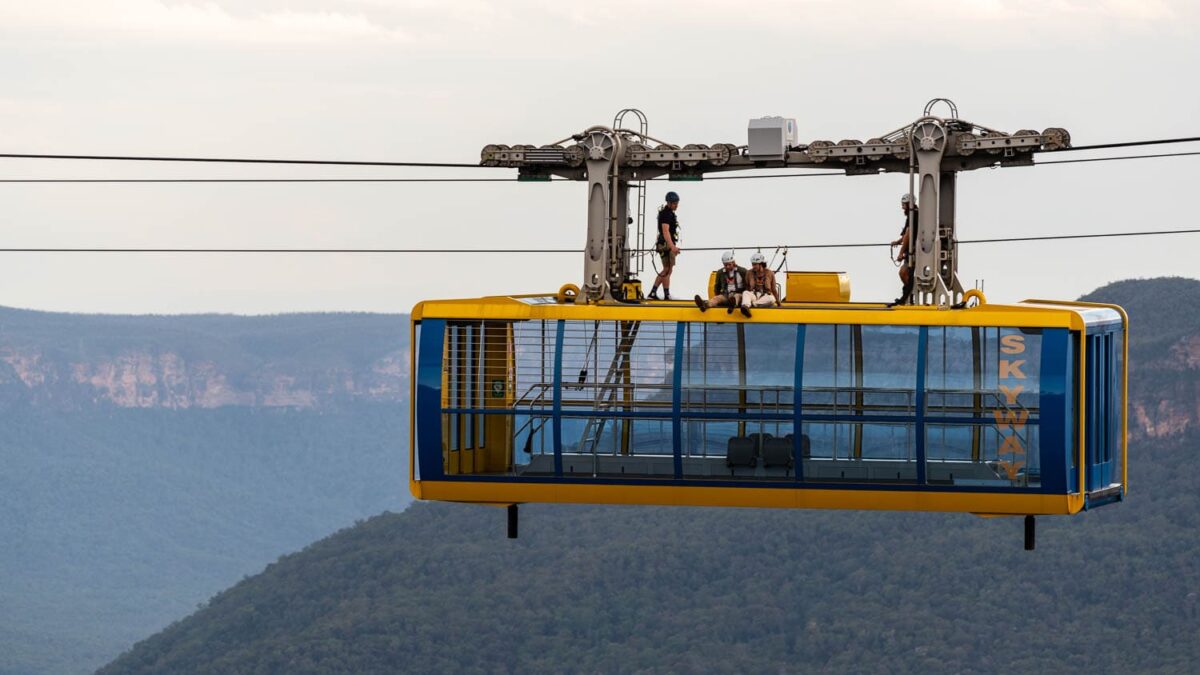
992, 409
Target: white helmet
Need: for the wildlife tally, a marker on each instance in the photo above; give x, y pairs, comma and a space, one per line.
757, 258
906, 198
727, 257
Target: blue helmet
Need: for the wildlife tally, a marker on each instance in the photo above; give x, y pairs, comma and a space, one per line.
672, 197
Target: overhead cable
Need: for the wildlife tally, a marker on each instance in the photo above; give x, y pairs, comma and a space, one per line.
363, 180
502, 251
1127, 144
1111, 159
227, 160
266, 180
997, 240
518, 180
456, 165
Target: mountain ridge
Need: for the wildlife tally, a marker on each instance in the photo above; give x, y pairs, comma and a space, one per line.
133, 487
668, 589
316, 361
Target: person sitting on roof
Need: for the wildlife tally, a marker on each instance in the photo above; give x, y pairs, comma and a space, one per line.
760, 286
731, 283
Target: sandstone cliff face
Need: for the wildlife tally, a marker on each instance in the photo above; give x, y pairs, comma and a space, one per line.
290, 361
142, 379
1164, 353
1164, 386
1164, 399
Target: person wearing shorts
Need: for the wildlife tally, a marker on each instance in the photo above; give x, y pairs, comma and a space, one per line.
667, 245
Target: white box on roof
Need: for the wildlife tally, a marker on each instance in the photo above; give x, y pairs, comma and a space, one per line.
770, 137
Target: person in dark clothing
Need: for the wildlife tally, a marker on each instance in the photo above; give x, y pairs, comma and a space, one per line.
667, 245
731, 283
909, 206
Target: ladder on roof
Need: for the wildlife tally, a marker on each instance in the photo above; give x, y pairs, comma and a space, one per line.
639, 186
606, 394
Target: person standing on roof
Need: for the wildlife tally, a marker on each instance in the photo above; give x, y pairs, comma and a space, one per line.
760, 286
908, 206
731, 283
667, 245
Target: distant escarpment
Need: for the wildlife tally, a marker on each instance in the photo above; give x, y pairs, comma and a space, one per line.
147, 462
312, 361
1164, 352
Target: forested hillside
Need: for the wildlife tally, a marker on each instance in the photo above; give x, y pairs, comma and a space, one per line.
638, 589
1164, 352
148, 462
635, 589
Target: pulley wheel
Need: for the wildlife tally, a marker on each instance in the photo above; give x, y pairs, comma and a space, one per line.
846, 142
818, 146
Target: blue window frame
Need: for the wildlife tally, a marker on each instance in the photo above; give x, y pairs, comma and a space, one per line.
771, 404
1105, 390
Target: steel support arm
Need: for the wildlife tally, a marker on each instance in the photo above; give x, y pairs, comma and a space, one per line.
932, 149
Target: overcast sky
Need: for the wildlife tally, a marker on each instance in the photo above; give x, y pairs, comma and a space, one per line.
435, 80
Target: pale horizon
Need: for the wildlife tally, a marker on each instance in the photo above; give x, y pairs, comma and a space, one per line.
416, 81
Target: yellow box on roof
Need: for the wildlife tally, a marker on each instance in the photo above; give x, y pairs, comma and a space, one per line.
817, 287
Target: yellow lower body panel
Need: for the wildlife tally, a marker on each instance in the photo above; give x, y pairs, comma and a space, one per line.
773, 498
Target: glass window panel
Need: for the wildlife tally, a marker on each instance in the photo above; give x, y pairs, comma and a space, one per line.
860, 370
707, 438
533, 356
414, 414
650, 437
989, 378
889, 357
533, 451
828, 440
751, 450
481, 379
1005, 459
771, 354
739, 369
617, 448
1012, 367
827, 355
888, 441
1118, 414
1072, 409
861, 453
453, 384
976, 371
1110, 395
618, 365
952, 443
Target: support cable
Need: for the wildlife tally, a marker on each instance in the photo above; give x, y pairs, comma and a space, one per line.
456, 165
505, 251
227, 160
1127, 144
1111, 159
517, 180
269, 180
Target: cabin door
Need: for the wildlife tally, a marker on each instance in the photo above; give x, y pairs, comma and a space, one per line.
478, 379
1101, 417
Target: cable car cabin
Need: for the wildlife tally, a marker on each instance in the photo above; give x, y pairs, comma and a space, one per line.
992, 409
